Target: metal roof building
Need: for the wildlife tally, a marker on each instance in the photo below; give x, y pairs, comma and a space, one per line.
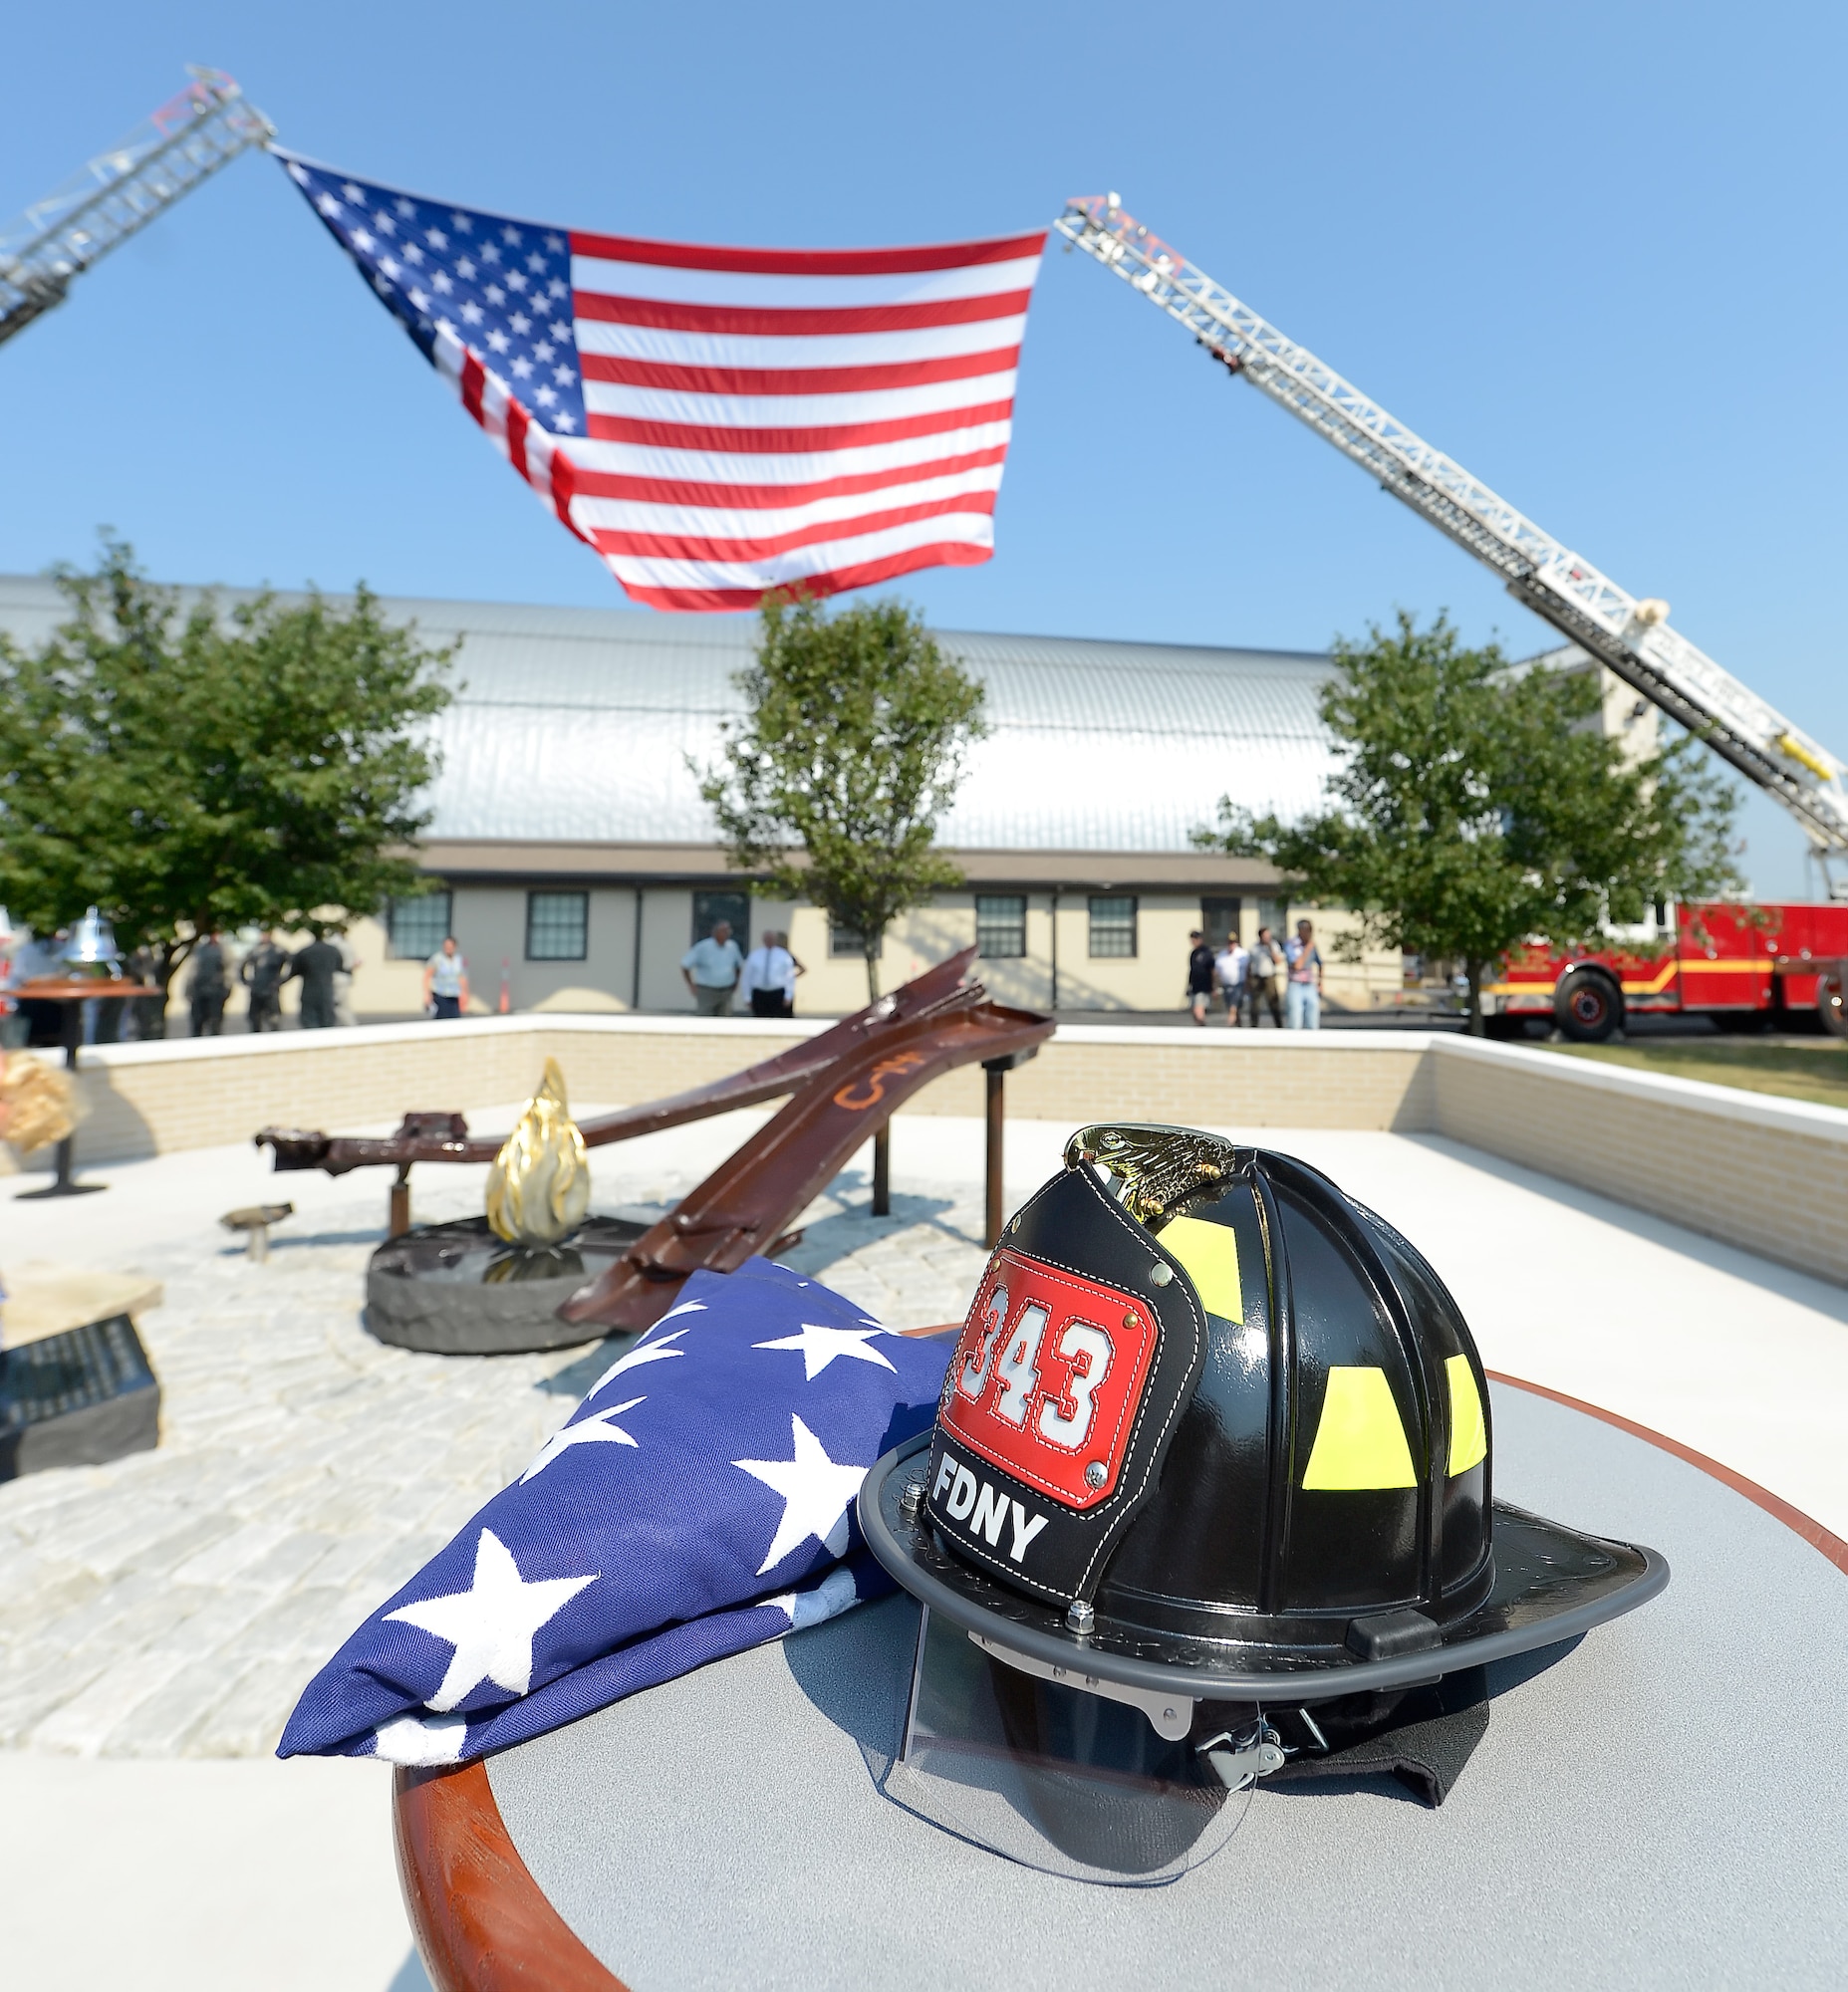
566, 760
573, 728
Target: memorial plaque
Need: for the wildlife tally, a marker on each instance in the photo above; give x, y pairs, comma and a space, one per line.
80, 1398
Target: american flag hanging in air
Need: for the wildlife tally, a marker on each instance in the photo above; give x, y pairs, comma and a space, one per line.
715, 422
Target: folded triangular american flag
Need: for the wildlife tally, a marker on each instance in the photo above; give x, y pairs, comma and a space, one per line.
699, 1502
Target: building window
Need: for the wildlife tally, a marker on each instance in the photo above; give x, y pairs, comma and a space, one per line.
1001, 925
846, 940
1219, 921
1113, 927
734, 908
557, 925
416, 929
1274, 915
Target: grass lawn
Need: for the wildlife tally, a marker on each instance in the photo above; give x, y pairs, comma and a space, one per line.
1796, 1071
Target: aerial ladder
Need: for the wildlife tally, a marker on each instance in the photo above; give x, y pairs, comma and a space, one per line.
1628, 634
119, 192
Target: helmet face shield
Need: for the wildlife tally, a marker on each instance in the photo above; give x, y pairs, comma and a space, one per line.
1065, 1780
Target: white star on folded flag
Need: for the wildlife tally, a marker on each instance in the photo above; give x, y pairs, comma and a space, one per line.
646, 1352
491, 1625
597, 1429
817, 1495
671, 1497
820, 1346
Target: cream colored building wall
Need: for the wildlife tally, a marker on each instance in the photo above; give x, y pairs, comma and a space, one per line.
490, 927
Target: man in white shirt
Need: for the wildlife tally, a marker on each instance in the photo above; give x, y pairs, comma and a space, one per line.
769, 978
1228, 969
711, 969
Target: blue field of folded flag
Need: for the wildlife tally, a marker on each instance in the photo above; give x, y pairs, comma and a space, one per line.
699, 1502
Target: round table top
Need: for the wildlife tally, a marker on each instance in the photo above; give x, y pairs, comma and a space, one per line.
1660, 1803
76, 989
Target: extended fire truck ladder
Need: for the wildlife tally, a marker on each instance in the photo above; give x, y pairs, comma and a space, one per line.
121, 192
1630, 637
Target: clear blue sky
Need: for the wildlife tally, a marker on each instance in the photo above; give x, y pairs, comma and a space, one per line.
1593, 251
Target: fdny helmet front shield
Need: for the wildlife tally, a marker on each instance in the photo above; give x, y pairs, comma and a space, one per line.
1084, 1341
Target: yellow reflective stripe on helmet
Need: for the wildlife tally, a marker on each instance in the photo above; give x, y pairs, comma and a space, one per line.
1359, 1442
1208, 1254
1468, 1429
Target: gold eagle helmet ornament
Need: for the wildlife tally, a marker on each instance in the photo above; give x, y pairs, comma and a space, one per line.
539, 1187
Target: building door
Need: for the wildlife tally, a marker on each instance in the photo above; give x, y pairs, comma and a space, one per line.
1218, 919
734, 907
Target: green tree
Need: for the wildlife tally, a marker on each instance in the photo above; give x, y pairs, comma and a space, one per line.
1477, 808
852, 745
190, 771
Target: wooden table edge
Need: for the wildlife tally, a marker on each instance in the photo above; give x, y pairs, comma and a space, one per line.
481, 1922
483, 1925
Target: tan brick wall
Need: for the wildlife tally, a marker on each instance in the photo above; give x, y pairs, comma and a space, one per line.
1767, 1174
1227, 1079
142, 1100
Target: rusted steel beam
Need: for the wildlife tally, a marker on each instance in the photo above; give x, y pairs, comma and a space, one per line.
444, 1138
750, 1200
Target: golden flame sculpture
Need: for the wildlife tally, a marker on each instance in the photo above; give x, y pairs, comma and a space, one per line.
37, 1105
540, 1185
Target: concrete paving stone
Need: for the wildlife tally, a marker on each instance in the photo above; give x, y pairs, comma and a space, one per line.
28, 1699
247, 1719
215, 1616
61, 1588
111, 1600
162, 1725
350, 1557
296, 1618
195, 1534
34, 1492
394, 1568
232, 1557
23, 1571
80, 1725
291, 1561
108, 1539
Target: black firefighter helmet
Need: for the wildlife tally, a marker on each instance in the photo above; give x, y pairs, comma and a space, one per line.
1211, 1484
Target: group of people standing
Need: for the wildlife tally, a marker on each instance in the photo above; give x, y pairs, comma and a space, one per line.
716, 971
1283, 977
320, 968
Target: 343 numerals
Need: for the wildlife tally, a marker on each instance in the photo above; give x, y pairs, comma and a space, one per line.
1065, 1415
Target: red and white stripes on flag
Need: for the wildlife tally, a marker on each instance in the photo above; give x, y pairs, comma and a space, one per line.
760, 418
715, 422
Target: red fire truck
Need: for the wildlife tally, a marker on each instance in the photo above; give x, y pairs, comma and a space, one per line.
1746, 966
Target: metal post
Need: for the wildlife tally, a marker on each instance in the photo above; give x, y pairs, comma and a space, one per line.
397, 1219
881, 1171
635, 966
997, 1076
1053, 1006
63, 1185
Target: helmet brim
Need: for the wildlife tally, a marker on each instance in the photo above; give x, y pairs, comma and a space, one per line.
1551, 1584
